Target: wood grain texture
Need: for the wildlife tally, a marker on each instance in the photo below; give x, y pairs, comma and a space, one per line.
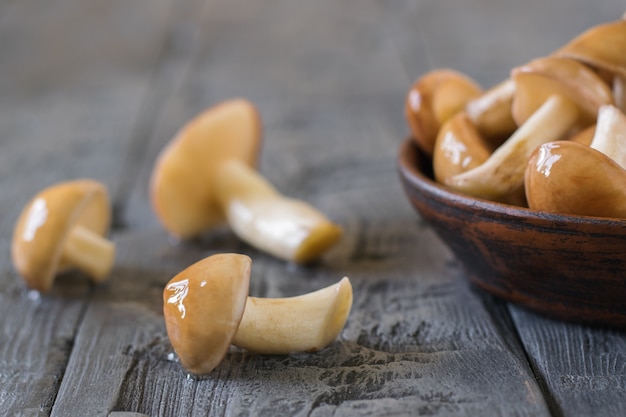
98, 88
404, 347
583, 369
69, 96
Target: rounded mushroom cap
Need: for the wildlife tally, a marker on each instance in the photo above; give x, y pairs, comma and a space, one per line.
432, 100
544, 77
182, 183
45, 222
203, 306
601, 47
459, 148
572, 178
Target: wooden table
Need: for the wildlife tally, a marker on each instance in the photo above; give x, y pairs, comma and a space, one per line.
96, 88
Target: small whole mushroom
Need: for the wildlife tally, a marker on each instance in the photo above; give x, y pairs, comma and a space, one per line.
63, 227
206, 175
207, 308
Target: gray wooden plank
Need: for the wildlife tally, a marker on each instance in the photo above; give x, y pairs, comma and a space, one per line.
35, 342
582, 368
416, 340
326, 77
72, 78
329, 85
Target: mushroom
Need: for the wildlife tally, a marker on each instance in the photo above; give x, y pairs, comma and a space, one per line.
207, 308
206, 175
553, 96
491, 112
459, 148
432, 100
579, 179
571, 178
602, 47
63, 227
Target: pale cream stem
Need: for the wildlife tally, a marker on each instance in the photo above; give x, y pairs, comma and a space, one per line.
286, 228
610, 134
503, 172
305, 323
89, 252
491, 112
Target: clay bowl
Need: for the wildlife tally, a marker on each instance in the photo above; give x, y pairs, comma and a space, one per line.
571, 268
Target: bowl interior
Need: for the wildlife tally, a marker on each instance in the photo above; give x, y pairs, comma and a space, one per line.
563, 266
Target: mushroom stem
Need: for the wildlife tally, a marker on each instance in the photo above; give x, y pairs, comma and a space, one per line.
610, 134
306, 323
286, 228
89, 252
503, 172
491, 112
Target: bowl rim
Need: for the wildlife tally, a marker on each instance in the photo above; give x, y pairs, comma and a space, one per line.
409, 152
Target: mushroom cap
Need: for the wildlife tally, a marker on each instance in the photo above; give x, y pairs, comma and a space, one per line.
434, 98
182, 184
203, 306
44, 224
601, 47
571, 178
544, 77
459, 148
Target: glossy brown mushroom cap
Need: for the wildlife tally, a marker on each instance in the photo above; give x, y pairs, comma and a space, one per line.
545, 77
43, 226
182, 185
432, 100
570, 178
602, 47
203, 306
459, 148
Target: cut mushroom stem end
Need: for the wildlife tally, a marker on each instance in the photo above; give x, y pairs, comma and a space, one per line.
287, 228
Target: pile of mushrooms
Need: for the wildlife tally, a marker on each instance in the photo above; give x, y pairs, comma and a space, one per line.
205, 176
555, 128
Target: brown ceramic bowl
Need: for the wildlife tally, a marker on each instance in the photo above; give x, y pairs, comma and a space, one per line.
567, 267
